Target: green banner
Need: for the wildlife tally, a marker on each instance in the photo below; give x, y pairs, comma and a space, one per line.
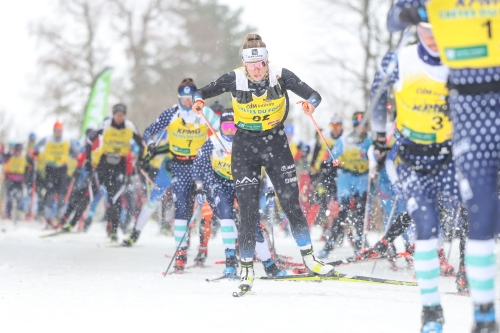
97, 105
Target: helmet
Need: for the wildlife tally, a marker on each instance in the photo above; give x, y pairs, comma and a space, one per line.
289, 129
32, 136
119, 108
336, 119
217, 107
58, 125
357, 117
18, 146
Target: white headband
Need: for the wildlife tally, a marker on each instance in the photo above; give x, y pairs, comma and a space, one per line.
254, 54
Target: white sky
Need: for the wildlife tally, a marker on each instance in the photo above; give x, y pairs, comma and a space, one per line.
288, 32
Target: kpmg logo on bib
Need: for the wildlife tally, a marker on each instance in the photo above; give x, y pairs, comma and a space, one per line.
255, 52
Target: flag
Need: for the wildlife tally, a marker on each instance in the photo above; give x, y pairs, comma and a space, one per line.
97, 105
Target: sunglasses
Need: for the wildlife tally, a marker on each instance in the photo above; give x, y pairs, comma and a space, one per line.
254, 65
185, 98
358, 117
228, 126
335, 126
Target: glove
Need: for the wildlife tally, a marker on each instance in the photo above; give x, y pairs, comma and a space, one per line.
198, 106
413, 15
88, 166
151, 149
397, 189
143, 165
201, 196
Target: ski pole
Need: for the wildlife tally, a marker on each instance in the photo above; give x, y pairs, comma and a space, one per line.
213, 131
389, 220
197, 210
335, 162
367, 210
389, 71
459, 208
271, 196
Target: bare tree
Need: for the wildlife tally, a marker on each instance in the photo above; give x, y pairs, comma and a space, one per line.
362, 25
168, 41
71, 58
6, 125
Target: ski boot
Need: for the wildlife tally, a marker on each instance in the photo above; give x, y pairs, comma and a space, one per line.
462, 282
231, 263
313, 265
271, 269
432, 319
201, 256
484, 319
445, 268
180, 260
246, 274
113, 237
67, 227
132, 238
376, 251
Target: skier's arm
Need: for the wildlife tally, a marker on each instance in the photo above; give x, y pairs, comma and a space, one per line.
300, 88
39, 145
212, 118
379, 116
74, 148
90, 139
337, 149
160, 123
390, 165
405, 13
226, 83
138, 140
201, 164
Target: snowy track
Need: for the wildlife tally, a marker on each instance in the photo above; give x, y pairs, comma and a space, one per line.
77, 283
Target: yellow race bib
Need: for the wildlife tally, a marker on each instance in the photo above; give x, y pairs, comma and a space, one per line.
467, 32
222, 166
260, 114
57, 153
16, 165
186, 139
352, 161
116, 141
420, 95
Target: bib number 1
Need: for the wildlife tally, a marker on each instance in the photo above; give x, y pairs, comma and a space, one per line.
487, 24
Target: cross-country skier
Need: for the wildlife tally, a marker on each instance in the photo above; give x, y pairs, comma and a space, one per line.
16, 167
213, 178
260, 102
425, 170
56, 151
187, 132
115, 163
352, 184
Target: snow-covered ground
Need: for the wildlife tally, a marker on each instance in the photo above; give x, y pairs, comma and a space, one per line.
78, 283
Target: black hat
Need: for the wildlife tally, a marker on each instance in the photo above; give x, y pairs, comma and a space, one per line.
119, 108
227, 115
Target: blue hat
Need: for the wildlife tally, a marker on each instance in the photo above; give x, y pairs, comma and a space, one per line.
187, 90
289, 129
32, 136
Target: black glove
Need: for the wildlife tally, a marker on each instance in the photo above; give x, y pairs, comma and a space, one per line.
201, 195
88, 166
413, 15
380, 149
151, 149
270, 193
144, 165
